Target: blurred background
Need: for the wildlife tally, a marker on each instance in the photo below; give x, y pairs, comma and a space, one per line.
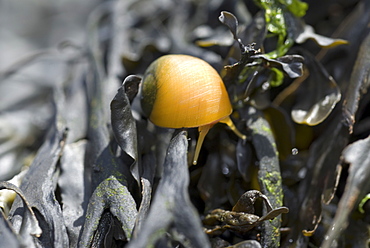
32, 62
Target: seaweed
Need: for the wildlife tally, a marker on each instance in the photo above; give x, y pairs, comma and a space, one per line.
82, 166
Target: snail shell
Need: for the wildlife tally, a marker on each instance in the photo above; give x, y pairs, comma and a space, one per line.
182, 91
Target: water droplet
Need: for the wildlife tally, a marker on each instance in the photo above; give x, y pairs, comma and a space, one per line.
265, 86
225, 170
294, 151
302, 173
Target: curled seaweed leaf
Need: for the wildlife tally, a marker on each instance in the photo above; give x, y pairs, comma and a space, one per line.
113, 196
30, 226
326, 42
131, 84
241, 218
38, 186
358, 157
171, 210
290, 64
7, 196
231, 22
318, 94
359, 83
123, 123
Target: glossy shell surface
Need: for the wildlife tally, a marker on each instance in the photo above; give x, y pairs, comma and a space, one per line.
183, 91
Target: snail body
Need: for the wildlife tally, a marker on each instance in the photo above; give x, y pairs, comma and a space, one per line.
182, 91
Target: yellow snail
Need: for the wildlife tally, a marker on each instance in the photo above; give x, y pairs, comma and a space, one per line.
181, 91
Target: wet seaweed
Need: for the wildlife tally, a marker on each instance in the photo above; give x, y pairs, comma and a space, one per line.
82, 166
